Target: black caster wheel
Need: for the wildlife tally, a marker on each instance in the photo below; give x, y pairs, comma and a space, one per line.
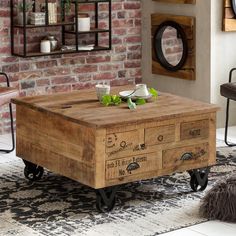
32, 171
106, 199
196, 187
199, 179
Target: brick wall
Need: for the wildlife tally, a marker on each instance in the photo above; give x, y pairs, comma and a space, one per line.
69, 72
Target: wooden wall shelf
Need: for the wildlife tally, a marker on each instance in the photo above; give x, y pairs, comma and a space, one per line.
17, 29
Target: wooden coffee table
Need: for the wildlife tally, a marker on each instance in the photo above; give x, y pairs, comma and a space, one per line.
103, 147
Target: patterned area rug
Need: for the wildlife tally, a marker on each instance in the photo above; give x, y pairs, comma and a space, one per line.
59, 206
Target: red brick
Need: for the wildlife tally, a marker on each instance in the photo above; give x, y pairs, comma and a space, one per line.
104, 76
79, 86
57, 71
98, 59
120, 82
108, 67
72, 61
133, 39
11, 68
132, 5
133, 64
60, 88
63, 80
45, 64
42, 82
86, 69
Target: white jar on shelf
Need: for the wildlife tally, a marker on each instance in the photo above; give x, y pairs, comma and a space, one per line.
45, 46
83, 21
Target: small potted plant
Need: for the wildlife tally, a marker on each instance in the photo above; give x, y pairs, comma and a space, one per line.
20, 11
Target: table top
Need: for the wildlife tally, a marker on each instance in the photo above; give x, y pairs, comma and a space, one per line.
83, 108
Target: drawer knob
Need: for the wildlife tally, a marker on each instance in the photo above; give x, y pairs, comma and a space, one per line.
186, 156
132, 166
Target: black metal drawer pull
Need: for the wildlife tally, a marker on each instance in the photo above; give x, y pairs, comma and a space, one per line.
132, 166
186, 156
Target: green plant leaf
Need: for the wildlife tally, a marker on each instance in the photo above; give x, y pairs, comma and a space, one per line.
153, 92
131, 104
116, 100
106, 100
140, 101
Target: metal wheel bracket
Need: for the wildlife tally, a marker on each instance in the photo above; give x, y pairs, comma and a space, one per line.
108, 197
198, 173
32, 171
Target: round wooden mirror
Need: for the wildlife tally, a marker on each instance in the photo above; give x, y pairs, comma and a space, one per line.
233, 4
171, 46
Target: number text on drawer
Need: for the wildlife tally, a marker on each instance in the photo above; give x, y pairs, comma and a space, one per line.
195, 129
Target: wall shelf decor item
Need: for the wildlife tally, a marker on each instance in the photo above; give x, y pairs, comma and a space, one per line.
173, 46
229, 15
28, 33
177, 1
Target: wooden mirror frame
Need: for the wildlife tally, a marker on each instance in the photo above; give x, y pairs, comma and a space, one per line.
187, 23
229, 16
157, 45
177, 1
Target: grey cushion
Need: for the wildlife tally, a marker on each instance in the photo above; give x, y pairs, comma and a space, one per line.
228, 90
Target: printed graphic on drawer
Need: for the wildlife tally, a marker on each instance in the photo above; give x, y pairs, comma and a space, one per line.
119, 142
194, 129
132, 165
159, 135
185, 156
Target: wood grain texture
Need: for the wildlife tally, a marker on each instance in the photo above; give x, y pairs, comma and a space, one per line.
174, 158
177, 1
82, 107
118, 168
195, 129
57, 144
188, 24
229, 20
98, 145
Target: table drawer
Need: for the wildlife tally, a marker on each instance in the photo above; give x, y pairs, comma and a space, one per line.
189, 156
132, 165
119, 142
194, 129
160, 135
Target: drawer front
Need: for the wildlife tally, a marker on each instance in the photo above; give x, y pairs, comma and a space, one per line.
120, 142
132, 165
160, 135
189, 156
194, 129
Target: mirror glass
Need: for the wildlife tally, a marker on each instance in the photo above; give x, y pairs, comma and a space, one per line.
172, 46
233, 5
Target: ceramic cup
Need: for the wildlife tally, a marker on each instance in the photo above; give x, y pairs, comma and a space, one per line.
141, 90
101, 90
